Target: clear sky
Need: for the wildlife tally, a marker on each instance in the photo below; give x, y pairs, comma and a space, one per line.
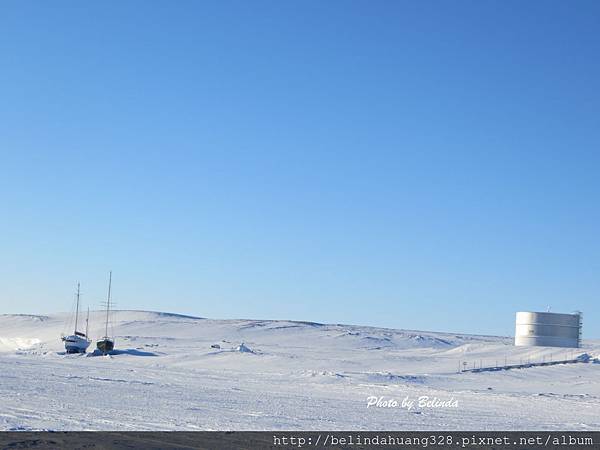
411, 164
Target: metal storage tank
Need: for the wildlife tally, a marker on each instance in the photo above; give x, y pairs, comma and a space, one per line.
548, 329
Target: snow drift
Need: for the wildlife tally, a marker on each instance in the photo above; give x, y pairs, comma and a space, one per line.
177, 372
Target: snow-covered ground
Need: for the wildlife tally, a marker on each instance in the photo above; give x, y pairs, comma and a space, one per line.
282, 375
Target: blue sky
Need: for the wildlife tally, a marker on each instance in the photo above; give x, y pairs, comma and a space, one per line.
426, 165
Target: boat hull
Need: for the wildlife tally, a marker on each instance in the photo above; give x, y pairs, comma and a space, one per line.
105, 345
76, 344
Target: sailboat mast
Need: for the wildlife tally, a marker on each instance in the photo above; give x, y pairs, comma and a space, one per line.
77, 308
108, 303
87, 323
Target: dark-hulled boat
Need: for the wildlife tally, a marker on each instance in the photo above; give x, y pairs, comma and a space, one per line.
106, 344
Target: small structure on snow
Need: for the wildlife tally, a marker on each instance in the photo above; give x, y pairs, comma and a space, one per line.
244, 349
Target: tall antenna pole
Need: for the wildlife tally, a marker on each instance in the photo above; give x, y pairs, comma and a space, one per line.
108, 303
77, 308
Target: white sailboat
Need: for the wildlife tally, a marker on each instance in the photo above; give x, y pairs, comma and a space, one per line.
77, 342
107, 343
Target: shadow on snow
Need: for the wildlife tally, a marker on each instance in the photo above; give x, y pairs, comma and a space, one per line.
127, 351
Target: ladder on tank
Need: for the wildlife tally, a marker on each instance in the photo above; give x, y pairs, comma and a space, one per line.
580, 334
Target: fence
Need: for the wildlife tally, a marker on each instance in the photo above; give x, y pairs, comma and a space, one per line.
466, 366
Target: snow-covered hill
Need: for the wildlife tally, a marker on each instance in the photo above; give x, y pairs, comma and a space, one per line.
176, 372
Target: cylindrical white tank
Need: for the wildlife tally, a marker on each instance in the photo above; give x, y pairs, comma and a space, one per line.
548, 329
